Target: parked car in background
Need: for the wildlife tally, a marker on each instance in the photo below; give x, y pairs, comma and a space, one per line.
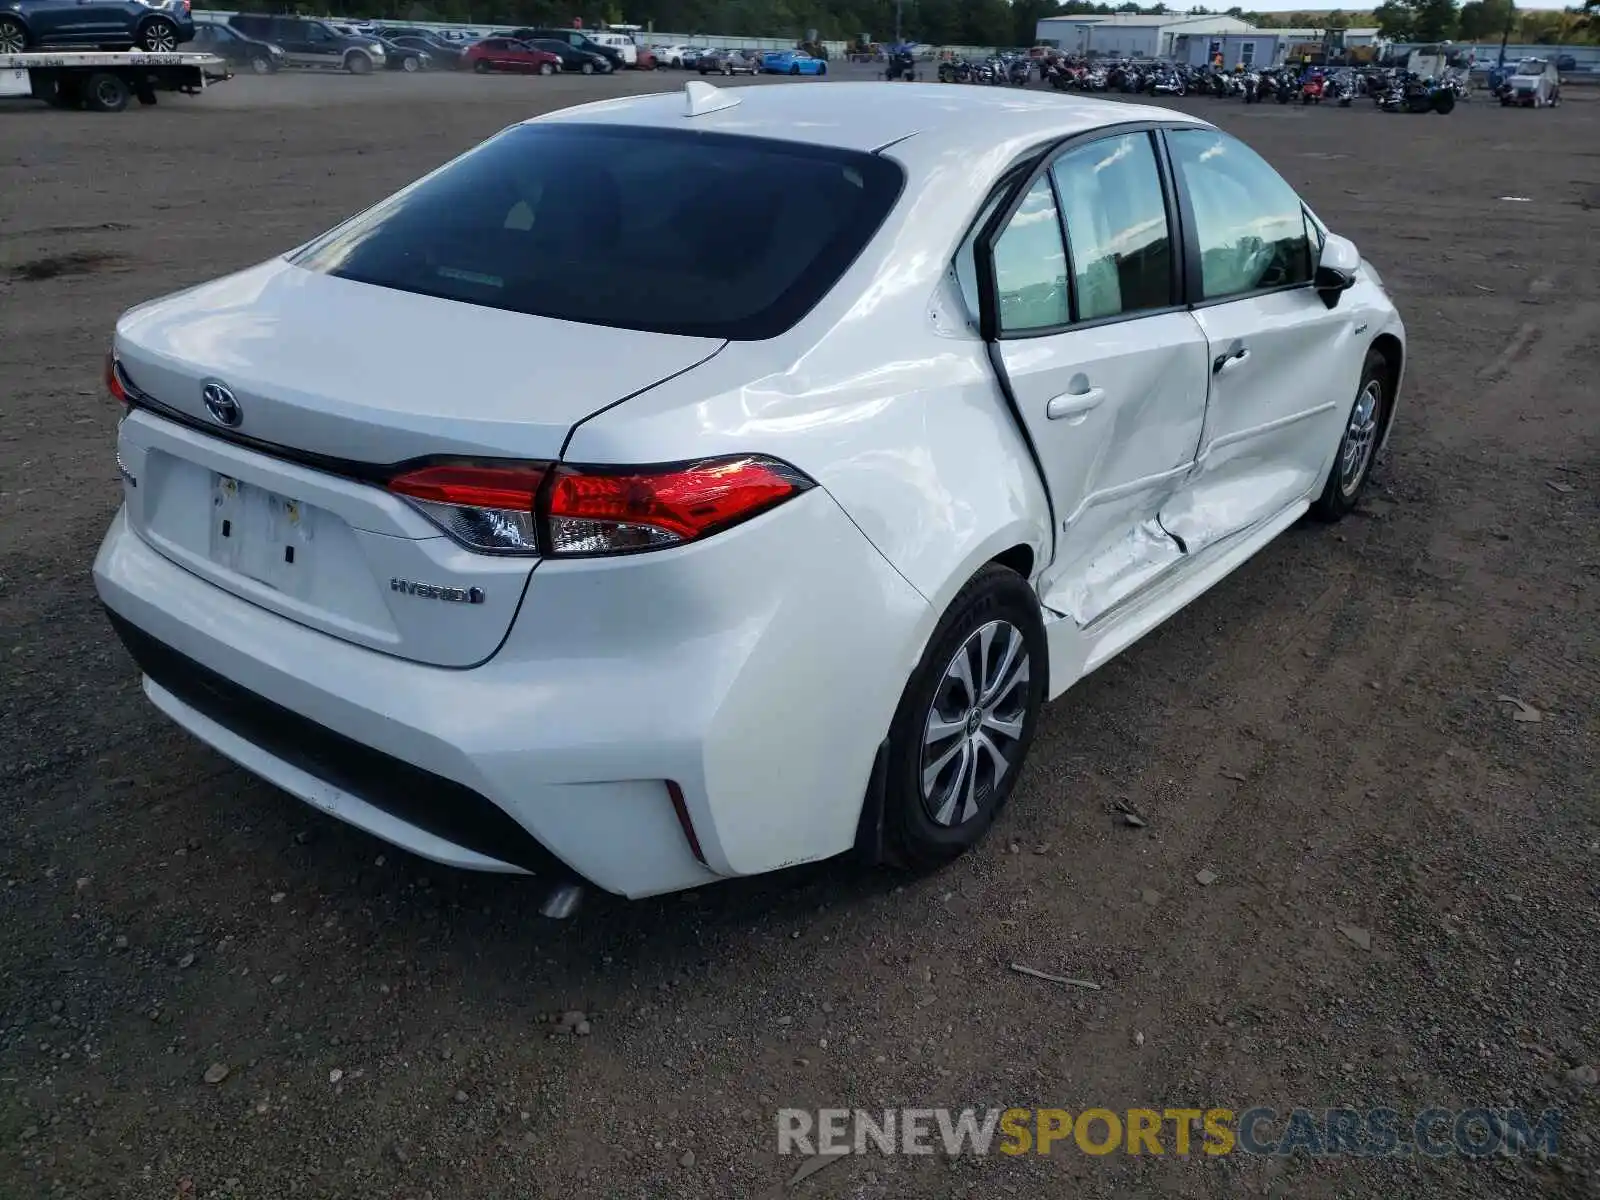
444, 54
575, 58
1534, 84
406, 58
507, 54
575, 38
309, 42
237, 50
792, 62
621, 43
728, 62
157, 25
645, 59
670, 56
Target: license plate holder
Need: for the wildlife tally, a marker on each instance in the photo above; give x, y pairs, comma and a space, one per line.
262, 535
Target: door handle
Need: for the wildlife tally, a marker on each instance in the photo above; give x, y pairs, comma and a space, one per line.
1074, 404
1235, 355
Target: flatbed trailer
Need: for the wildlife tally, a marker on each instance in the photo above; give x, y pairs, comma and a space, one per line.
106, 80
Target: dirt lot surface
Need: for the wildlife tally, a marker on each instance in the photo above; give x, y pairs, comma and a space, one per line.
1406, 897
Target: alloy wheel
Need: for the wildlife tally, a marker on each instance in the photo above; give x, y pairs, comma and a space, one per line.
975, 723
12, 38
160, 38
1360, 437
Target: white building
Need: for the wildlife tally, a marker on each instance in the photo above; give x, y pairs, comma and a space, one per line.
1132, 35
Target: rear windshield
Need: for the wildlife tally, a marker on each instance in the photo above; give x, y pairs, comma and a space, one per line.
668, 231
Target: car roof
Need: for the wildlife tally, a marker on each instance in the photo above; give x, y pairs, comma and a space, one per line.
869, 116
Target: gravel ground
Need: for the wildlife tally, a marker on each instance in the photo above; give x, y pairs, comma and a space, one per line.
1324, 733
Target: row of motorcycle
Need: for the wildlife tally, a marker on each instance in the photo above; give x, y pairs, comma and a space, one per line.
1391, 89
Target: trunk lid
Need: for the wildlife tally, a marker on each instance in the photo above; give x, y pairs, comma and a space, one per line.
332, 377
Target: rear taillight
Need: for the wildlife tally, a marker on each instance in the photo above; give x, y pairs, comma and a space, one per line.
114, 380
573, 511
481, 506
591, 510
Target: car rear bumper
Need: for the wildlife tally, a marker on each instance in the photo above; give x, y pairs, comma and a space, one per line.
757, 672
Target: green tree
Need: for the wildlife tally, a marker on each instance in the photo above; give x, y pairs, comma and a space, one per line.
1396, 20
1485, 20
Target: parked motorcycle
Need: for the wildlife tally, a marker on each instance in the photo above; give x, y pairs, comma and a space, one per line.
1311, 90
1018, 72
1416, 95
1252, 87
1167, 83
902, 65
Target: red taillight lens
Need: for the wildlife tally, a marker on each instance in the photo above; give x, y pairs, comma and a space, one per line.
499, 507
597, 510
481, 506
114, 380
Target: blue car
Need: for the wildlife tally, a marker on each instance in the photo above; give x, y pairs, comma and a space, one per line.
161, 25
792, 62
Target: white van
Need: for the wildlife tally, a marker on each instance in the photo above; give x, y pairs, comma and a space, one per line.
619, 41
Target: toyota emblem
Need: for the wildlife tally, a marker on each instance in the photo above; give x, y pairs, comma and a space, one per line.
224, 409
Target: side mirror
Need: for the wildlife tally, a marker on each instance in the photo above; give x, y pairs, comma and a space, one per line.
1336, 269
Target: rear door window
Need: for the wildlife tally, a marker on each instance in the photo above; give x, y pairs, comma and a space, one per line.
611, 225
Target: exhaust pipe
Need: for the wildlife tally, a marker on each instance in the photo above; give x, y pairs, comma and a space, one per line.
561, 901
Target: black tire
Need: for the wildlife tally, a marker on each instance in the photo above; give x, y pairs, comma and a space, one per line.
1443, 103
587, 68
107, 93
914, 836
357, 63
261, 64
410, 64
158, 35
1342, 492
547, 69
13, 36
59, 93
483, 68
794, 69
823, 69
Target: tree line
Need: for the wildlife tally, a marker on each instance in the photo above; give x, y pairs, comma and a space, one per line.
955, 22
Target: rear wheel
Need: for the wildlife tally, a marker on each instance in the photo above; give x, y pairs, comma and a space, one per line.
13, 36
547, 69
409, 63
587, 68
261, 64
965, 721
795, 69
482, 68
358, 63
1358, 444
106, 93
158, 35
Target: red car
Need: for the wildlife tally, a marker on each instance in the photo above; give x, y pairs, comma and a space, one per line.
504, 54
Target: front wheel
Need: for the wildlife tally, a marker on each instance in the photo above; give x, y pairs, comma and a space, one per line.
965, 721
547, 69
823, 69
159, 36
794, 70
482, 68
587, 68
410, 64
358, 64
1358, 444
261, 64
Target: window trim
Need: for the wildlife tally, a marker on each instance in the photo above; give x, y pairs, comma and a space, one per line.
1194, 283
1177, 227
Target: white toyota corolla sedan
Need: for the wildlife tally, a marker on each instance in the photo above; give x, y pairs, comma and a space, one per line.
799, 444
